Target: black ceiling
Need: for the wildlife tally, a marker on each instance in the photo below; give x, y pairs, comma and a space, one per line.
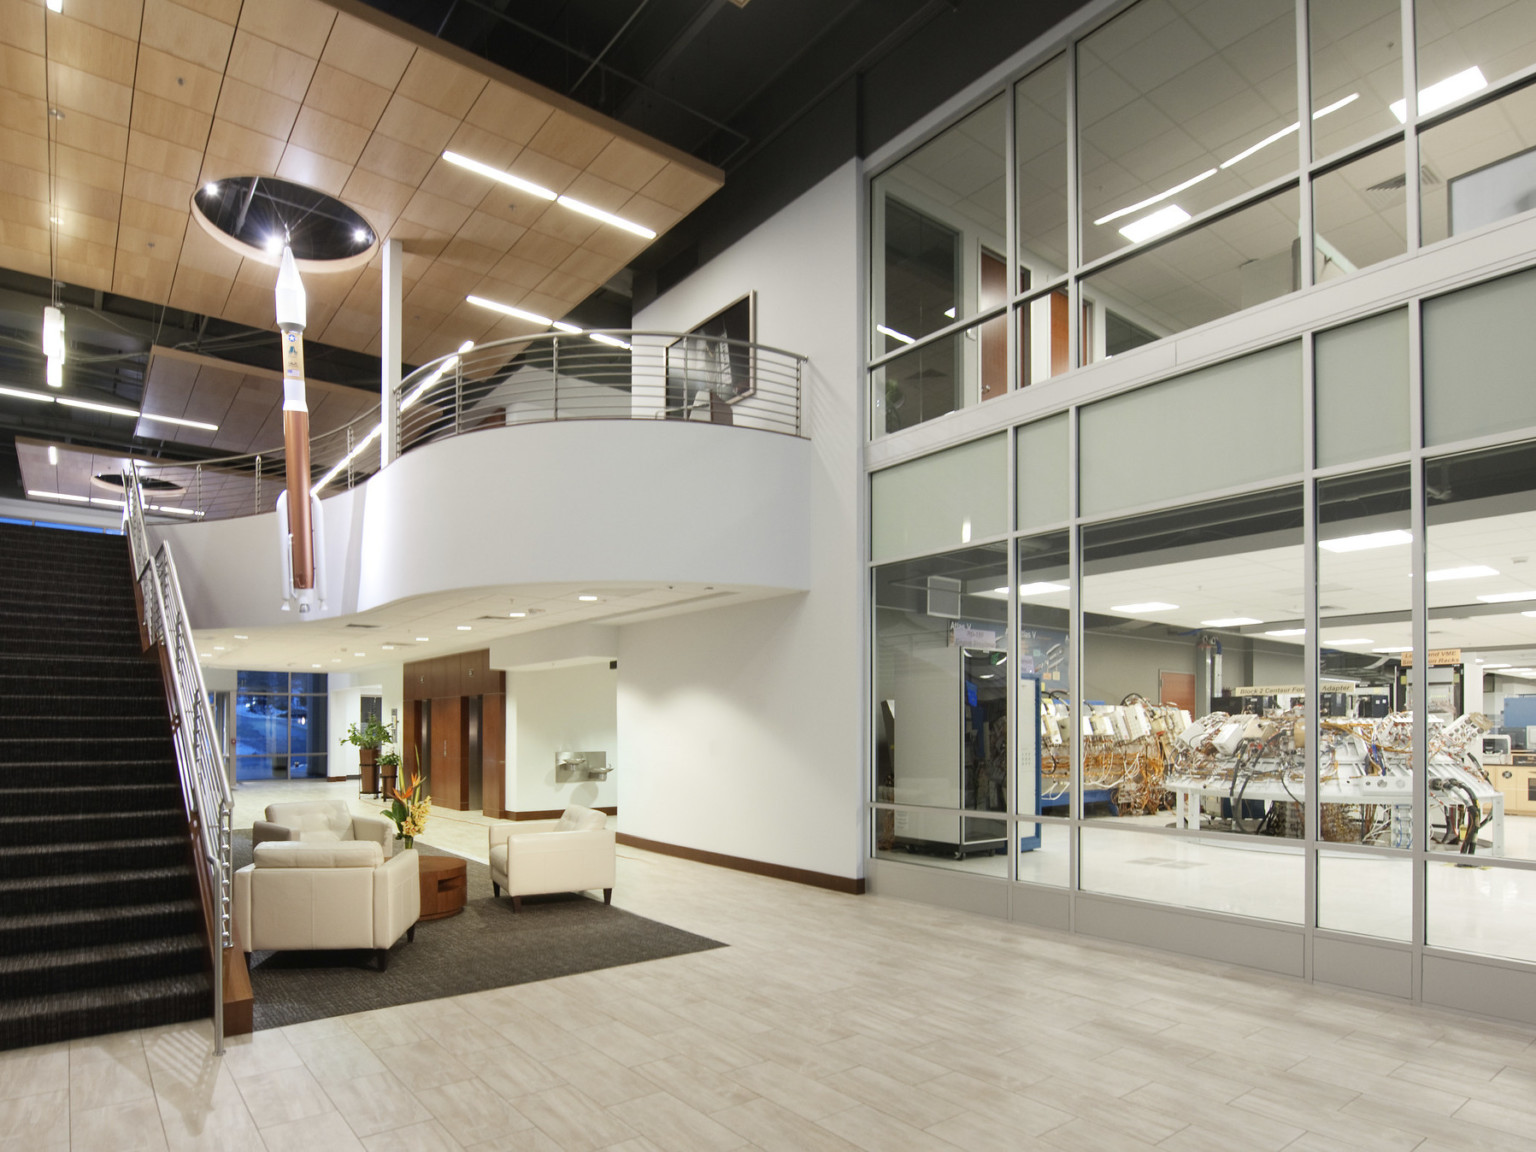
778, 93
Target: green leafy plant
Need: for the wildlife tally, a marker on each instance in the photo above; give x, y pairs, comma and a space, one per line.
370, 734
389, 760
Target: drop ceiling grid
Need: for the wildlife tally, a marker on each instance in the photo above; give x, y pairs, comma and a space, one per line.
159, 97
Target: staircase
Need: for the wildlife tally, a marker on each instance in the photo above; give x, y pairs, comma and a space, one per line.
100, 918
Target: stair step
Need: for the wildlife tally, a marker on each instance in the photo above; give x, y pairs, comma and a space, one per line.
69, 1015
13, 706
28, 798
46, 749
88, 827
109, 729
102, 965
30, 895
97, 773
81, 927
98, 856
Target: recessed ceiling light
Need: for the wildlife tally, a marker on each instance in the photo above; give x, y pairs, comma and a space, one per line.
179, 420
517, 615
314, 665
1350, 640
1470, 572
1397, 648
1163, 220
359, 653
1040, 588
1287, 632
240, 637
508, 310
53, 456
894, 335
109, 409
1495, 665
464, 628
1444, 92
1149, 606
1506, 597
1367, 541
421, 640
389, 647
335, 659
218, 647
1229, 622
588, 599
212, 187
544, 193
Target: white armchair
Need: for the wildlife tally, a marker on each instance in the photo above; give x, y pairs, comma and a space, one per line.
301, 896
321, 822
572, 854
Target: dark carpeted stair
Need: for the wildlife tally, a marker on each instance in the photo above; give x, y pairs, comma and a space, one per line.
100, 919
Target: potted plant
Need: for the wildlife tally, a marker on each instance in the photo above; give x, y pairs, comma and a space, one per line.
389, 771
368, 737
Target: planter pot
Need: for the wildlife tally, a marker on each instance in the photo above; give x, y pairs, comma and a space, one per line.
368, 772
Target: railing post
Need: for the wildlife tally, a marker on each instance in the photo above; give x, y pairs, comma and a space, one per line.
799, 393
554, 377
257, 508
458, 397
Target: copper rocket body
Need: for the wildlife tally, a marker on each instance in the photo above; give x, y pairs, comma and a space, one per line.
296, 443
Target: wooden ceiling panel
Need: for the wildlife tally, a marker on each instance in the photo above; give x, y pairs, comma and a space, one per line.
314, 170
171, 121
510, 112
23, 24
625, 163
442, 84
257, 109
177, 80
174, 160
75, 43
93, 135
186, 33
74, 90
416, 124
303, 25
237, 151
364, 50
348, 98
160, 95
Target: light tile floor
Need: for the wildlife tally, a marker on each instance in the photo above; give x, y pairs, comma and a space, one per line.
831, 1022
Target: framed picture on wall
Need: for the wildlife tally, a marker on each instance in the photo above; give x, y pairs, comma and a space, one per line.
704, 374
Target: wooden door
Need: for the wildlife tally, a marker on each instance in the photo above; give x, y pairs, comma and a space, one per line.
493, 754
449, 771
994, 333
1178, 688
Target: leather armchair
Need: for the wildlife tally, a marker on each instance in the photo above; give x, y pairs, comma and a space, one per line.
323, 822
572, 854
299, 896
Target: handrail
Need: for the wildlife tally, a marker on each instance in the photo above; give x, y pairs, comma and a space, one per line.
204, 786
614, 374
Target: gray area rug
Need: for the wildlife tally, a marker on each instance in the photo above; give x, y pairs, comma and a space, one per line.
485, 946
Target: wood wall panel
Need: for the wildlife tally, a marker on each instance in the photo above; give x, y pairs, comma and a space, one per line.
449, 760
493, 753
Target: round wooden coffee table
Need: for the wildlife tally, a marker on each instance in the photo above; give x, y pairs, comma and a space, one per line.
443, 886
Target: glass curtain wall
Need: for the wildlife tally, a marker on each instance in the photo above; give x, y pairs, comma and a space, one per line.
1282, 667
281, 725
1200, 188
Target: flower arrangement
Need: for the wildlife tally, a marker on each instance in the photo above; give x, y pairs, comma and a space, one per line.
408, 812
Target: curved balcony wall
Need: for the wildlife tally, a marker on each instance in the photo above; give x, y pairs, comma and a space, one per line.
477, 503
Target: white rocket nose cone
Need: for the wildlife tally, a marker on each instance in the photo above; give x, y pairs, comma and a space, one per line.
292, 306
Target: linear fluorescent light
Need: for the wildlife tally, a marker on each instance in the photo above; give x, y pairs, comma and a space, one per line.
180, 421
1367, 541
1336, 105
1154, 225
1039, 588
586, 209
1348, 640
508, 310
109, 409
1495, 666
1506, 597
1470, 572
1229, 622
1528, 613
1264, 143
1159, 198
1395, 648
348, 458
20, 394
433, 377
107, 503
894, 335
53, 456
612, 341
173, 511
1149, 606
1287, 632
562, 326
506, 178
544, 193
58, 496
55, 5
1446, 91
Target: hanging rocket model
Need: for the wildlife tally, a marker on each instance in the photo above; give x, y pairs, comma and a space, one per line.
298, 510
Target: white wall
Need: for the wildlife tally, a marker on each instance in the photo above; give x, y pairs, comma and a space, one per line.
346, 692
741, 729
562, 710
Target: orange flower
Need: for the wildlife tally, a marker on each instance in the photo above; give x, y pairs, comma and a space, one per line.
405, 797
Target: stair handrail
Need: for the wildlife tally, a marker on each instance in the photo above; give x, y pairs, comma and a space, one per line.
200, 764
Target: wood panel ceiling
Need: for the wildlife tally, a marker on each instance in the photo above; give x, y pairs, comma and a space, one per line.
246, 403
148, 99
